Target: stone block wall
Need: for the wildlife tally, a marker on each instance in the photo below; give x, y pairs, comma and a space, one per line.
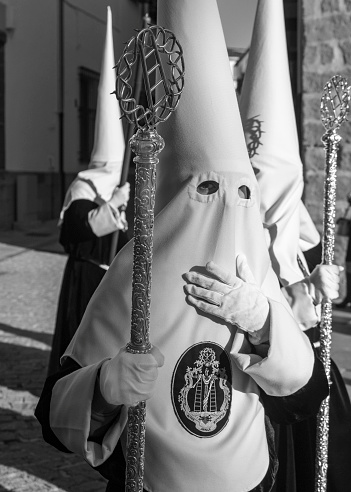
326, 51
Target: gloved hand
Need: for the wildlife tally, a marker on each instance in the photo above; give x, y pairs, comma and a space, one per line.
323, 283
130, 378
236, 299
120, 196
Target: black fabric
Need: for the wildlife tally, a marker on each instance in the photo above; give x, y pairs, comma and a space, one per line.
348, 251
78, 238
302, 404
296, 445
313, 334
76, 228
79, 282
82, 275
42, 411
313, 256
339, 458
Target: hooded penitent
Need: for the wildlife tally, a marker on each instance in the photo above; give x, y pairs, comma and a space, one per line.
98, 182
267, 111
205, 423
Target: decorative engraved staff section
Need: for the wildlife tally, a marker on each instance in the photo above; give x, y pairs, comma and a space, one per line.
161, 59
334, 109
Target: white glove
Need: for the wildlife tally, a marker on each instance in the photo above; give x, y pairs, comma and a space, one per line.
120, 196
323, 283
236, 299
130, 378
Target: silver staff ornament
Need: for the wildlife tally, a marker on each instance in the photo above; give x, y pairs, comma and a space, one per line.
334, 110
161, 59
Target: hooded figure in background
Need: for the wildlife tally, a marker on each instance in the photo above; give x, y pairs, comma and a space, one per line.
90, 212
267, 97
226, 348
266, 103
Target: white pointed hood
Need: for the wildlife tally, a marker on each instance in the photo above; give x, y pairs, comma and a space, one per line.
204, 142
267, 111
205, 133
108, 140
104, 171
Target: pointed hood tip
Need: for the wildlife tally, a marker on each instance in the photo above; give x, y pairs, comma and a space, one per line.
207, 120
109, 142
266, 92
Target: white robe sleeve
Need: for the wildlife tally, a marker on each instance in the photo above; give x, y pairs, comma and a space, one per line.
71, 415
106, 219
288, 365
301, 303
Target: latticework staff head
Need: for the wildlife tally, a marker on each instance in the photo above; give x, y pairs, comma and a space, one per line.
162, 64
335, 103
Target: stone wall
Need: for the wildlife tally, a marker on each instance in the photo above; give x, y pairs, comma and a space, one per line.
326, 52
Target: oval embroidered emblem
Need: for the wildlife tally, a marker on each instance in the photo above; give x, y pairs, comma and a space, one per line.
201, 389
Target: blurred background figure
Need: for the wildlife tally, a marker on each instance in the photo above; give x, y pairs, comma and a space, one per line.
91, 212
268, 115
344, 229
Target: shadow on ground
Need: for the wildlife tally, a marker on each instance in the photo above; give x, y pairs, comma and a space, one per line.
25, 459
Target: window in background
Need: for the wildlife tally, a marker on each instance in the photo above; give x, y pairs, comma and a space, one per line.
88, 87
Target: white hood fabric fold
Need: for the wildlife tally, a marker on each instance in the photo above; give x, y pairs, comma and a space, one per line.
103, 175
267, 110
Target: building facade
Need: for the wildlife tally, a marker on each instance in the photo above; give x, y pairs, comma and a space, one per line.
50, 56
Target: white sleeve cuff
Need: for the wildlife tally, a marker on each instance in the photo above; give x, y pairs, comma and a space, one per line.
70, 416
105, 219
302, 305
288, 365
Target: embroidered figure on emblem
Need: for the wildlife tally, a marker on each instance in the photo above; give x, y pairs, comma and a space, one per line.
204, 399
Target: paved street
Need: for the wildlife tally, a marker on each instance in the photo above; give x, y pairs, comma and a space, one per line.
30, 274
31, 266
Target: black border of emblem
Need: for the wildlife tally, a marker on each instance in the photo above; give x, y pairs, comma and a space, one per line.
222, 355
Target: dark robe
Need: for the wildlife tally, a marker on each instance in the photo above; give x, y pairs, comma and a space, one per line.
296, 444
82, 273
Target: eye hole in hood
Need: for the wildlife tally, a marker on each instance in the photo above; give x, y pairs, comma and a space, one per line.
244, 192
208, 187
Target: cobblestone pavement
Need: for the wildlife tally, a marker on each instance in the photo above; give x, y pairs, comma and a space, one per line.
31, 267
30, 280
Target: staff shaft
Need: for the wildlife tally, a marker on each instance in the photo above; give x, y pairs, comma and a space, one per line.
331, 141
146, 144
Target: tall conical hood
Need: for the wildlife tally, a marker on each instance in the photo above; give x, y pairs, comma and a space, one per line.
205, 133
267, 110
104, 171
204, 142
108, 139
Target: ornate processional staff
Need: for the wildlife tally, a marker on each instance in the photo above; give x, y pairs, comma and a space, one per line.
161, 59
334, 109
127, 151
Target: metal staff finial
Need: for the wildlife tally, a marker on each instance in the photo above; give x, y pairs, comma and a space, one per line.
161, 59
334, 109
